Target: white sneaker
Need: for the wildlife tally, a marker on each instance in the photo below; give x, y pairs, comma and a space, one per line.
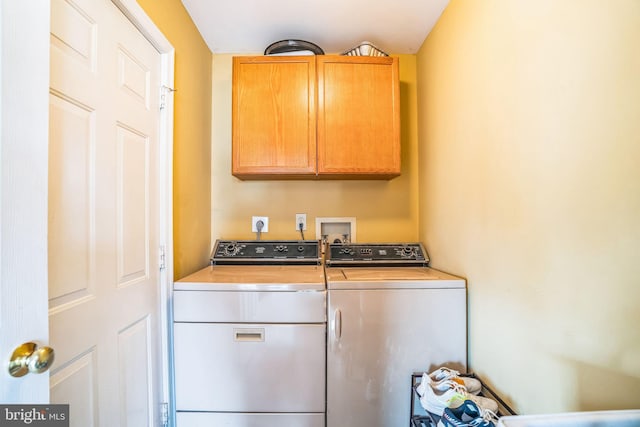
450, 394
440, 375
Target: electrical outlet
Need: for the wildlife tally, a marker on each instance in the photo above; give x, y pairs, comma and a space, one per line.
301, 219
265, 223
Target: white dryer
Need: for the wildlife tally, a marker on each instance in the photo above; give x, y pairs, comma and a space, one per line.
389, 316
250, 336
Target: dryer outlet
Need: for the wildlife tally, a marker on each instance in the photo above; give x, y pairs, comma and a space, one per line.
265, 224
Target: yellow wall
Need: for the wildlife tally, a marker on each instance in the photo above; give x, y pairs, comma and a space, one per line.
192, 134
384, 210
529, 128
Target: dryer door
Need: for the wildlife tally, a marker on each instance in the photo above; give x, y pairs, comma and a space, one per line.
241, 367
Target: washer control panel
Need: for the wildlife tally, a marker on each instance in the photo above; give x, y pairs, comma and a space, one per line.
371, 254
261, 252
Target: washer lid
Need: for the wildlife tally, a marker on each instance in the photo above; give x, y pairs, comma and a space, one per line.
254, 278
390, 278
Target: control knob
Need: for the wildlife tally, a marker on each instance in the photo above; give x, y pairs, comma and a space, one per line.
407, 251
231, 249
347, 251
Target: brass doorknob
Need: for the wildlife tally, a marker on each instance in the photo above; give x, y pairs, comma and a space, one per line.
28, 357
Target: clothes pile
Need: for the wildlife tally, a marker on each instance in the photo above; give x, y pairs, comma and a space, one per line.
452, 400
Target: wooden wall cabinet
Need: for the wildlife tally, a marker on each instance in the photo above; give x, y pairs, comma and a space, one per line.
333, 117
274, 117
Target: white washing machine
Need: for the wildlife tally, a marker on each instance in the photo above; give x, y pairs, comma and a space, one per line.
389, 316
250, 337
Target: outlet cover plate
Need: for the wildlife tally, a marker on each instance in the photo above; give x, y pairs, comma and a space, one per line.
301, 218
254, 221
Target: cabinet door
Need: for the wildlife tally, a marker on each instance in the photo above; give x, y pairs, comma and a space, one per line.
274, 116
358, 117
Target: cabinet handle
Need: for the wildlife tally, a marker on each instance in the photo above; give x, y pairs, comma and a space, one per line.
249, 335
337, 324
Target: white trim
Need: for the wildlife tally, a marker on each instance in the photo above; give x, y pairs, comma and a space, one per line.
132, 10
166, 227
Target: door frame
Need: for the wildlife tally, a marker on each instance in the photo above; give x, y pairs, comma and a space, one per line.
24, 132
132, 10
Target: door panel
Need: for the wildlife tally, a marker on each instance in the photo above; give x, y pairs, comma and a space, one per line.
133, 76
135, 349
76, 385
133, 206
73, 32
71, 213
104, 282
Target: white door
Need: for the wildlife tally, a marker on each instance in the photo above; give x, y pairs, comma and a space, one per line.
25, 101
104, 288
24, 82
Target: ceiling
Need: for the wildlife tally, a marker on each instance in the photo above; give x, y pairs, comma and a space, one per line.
249, 26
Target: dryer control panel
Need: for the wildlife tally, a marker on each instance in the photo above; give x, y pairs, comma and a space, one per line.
372, 254
264, 252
